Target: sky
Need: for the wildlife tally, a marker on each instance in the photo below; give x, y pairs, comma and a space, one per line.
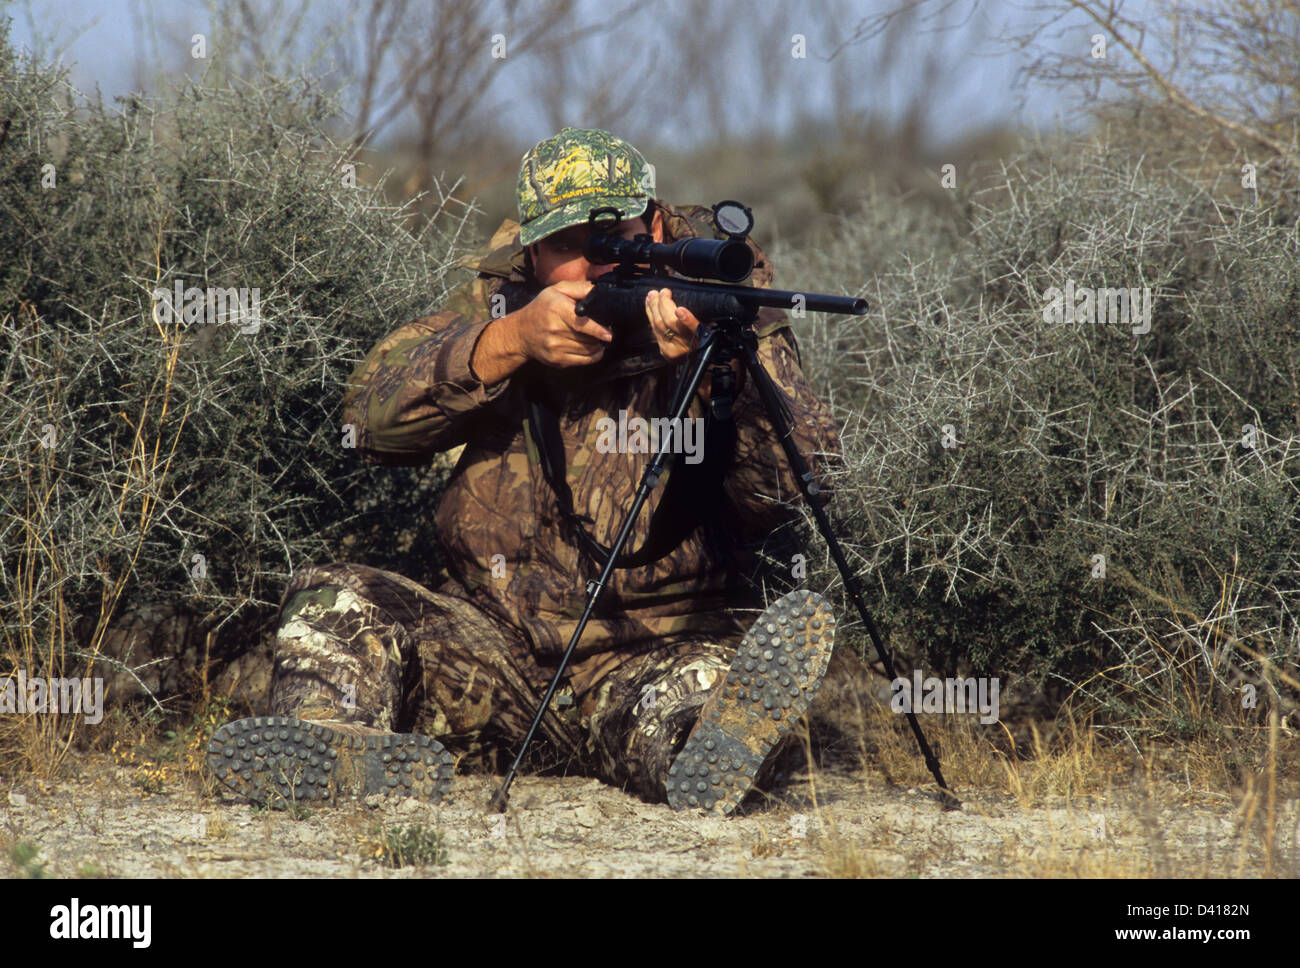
102, 39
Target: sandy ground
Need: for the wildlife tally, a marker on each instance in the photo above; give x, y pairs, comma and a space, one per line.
825, 824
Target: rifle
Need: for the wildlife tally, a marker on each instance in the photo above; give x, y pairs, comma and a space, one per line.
641, 265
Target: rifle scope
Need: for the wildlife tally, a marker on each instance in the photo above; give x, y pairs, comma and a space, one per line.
729, 259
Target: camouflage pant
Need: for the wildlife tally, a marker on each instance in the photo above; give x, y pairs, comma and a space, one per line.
369, 647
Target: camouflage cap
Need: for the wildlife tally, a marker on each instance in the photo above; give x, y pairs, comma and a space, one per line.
564, 177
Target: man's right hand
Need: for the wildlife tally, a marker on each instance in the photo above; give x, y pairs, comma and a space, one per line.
547, 330
551, 331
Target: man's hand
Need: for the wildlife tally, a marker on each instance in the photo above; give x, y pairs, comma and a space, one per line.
547, 330
551, 332
674, 328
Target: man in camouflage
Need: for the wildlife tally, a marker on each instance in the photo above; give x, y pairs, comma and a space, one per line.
379, 681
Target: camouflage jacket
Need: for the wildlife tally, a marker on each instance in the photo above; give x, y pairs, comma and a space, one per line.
415, 395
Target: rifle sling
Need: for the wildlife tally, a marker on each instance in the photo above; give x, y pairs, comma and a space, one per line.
692, 496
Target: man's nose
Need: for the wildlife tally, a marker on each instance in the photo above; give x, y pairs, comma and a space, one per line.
594, 270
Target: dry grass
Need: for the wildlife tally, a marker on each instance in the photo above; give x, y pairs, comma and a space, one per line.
41, 641
1113, 802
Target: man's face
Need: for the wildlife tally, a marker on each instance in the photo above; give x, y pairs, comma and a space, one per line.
559, 257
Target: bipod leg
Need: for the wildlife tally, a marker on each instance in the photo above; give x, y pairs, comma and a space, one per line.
808, 486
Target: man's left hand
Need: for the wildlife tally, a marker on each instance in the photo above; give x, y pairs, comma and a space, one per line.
674, 327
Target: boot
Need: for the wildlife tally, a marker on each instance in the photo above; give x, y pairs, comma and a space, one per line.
773, 678
281, 760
